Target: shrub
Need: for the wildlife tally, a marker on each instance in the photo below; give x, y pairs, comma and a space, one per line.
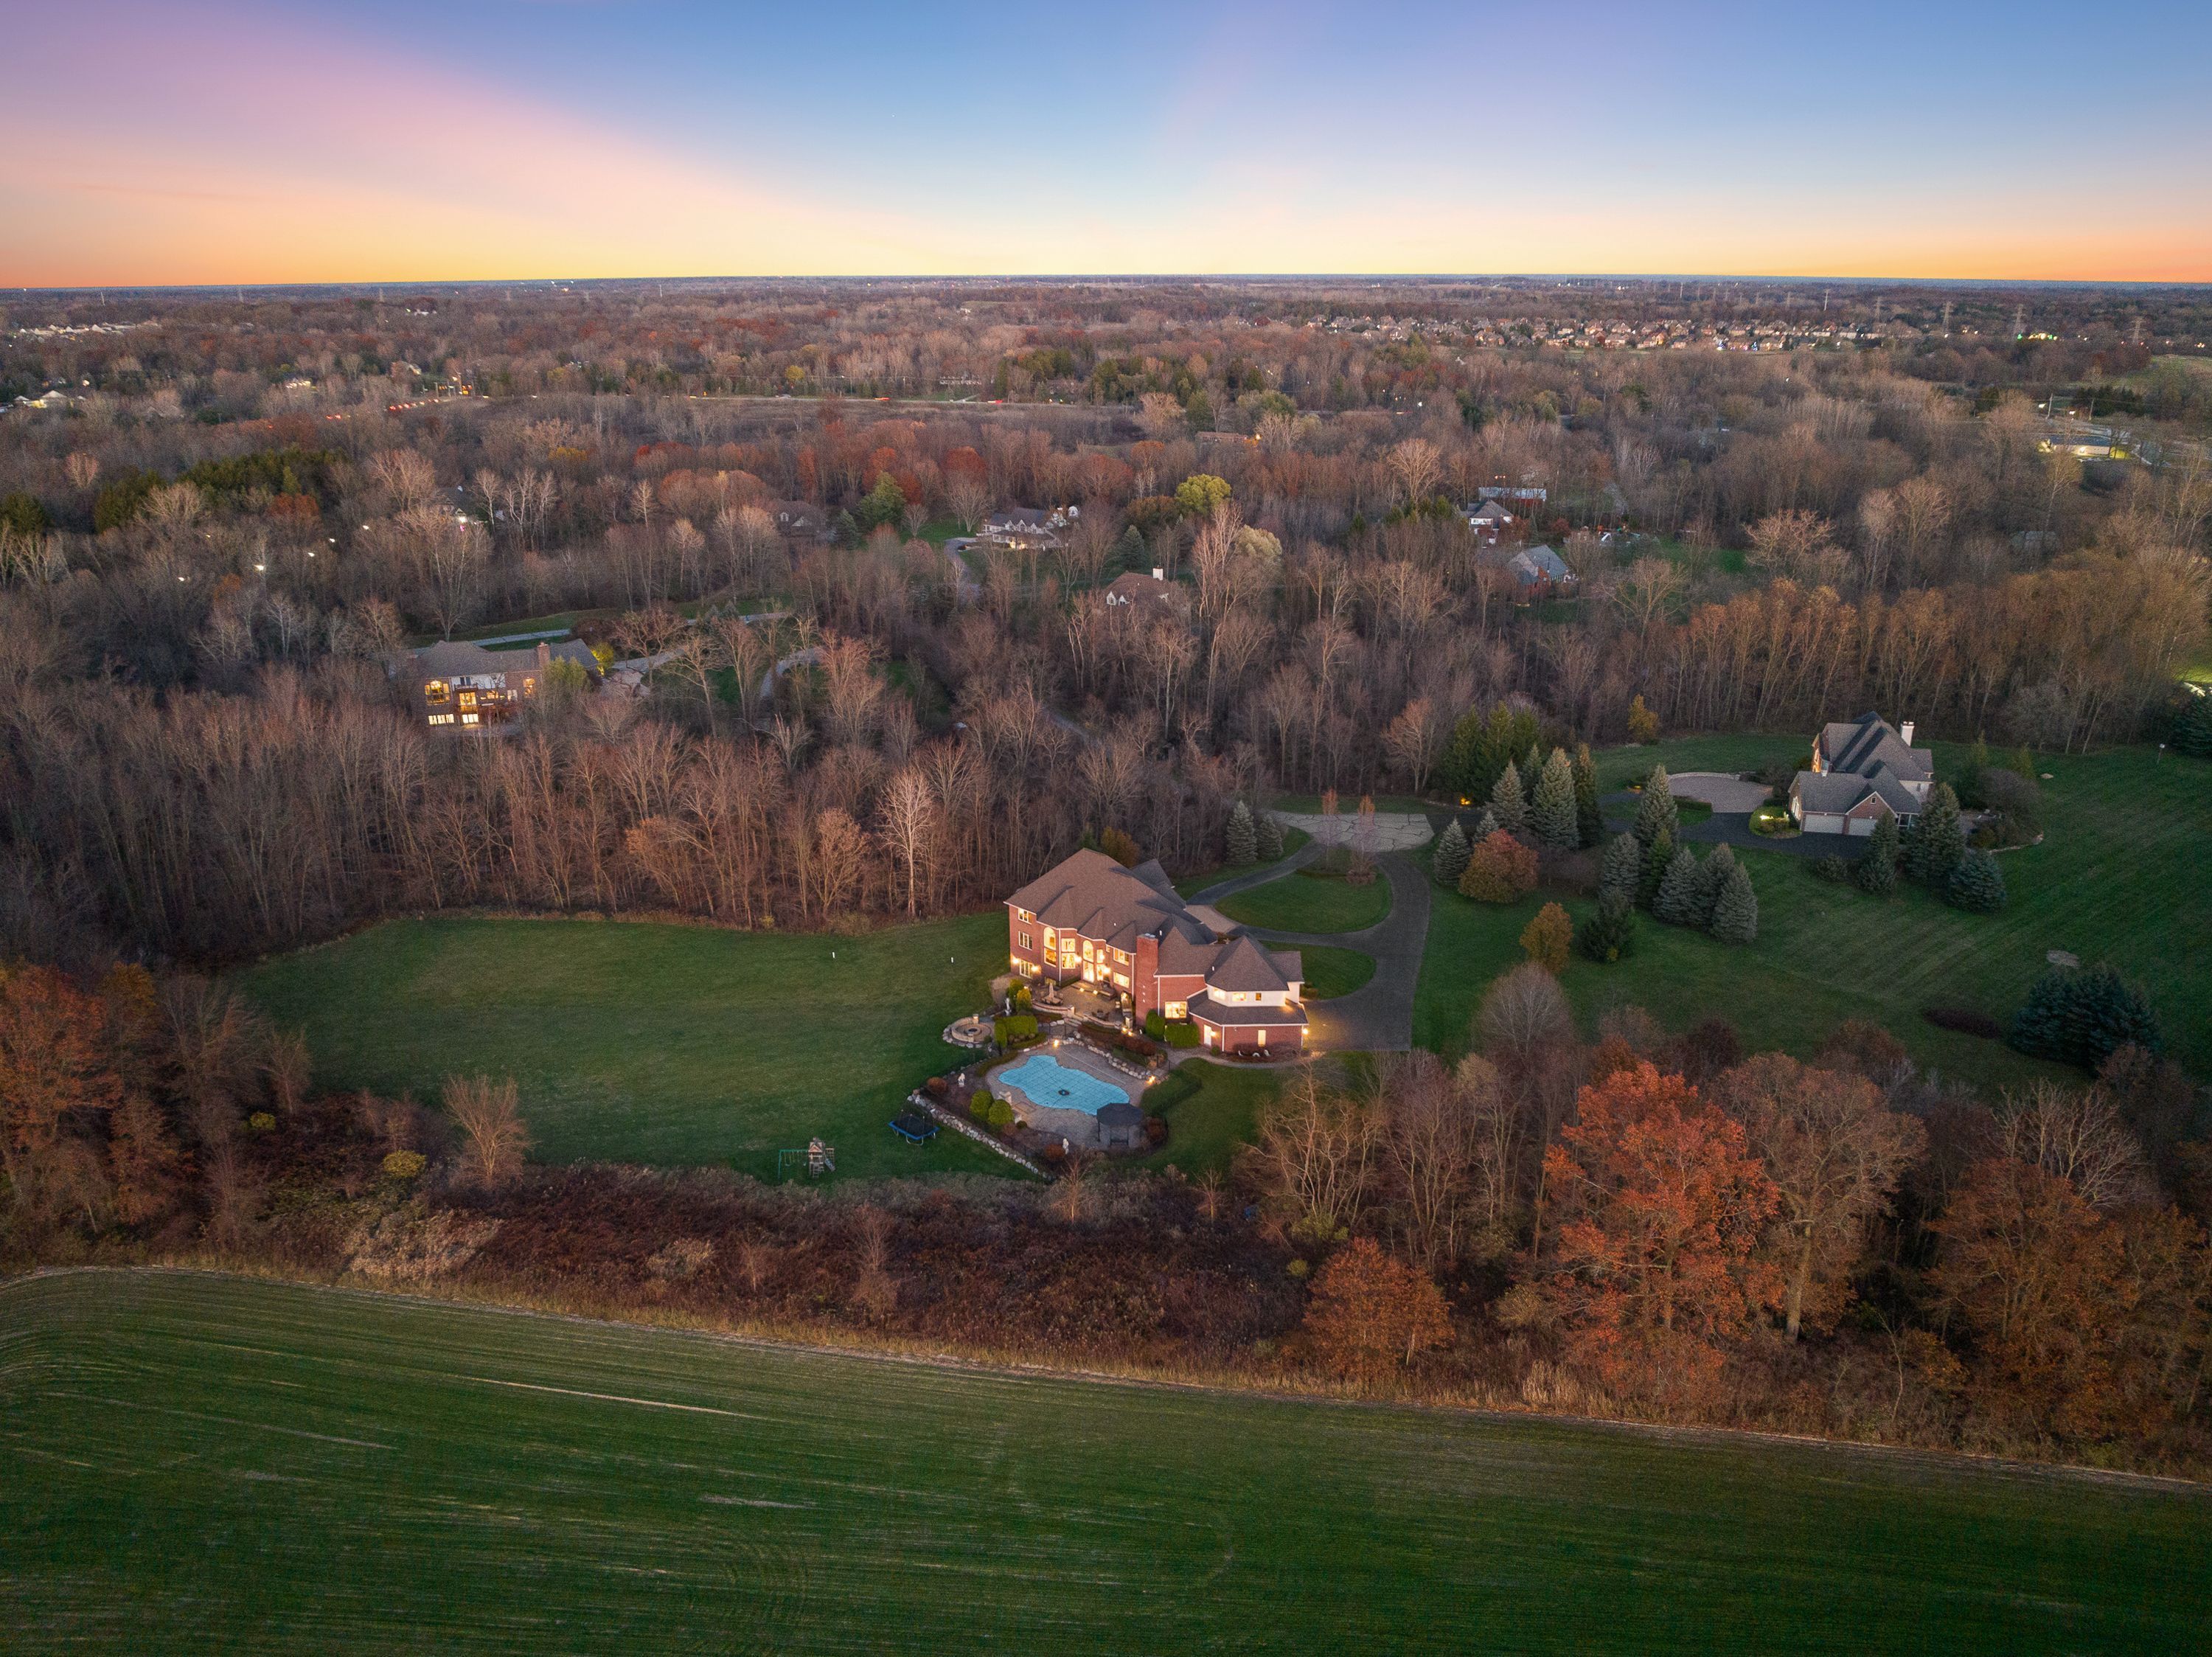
1501, 870
1976, 885
1155, 1024
1333, 864
1964, 1020
1014, 1028
1609, 934
1182, 1033
1547, 938
979, 1105
999, 1116
1448, 861
400, 1166
1643, 723
2191, 731
1156, 1131
1832, 869
261, 1122
2081, 1016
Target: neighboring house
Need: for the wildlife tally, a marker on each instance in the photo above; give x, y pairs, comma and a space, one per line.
1148, 595
1028, 527
461, 686
798, 518
1126, 933
1539, 572
1862, 771
1489, 521
1524, 496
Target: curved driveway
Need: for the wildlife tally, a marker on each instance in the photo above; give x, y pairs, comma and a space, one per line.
1378, 1016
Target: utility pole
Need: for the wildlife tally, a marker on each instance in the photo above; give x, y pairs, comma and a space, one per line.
1946, 318
2020, 322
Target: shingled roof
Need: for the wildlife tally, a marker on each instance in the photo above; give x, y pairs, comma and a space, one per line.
1864, 746
1091, 894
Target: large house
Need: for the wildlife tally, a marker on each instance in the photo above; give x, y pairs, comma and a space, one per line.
1026, 526
1147, 595
465, 686
1126, 933
1538, 572
1862, 771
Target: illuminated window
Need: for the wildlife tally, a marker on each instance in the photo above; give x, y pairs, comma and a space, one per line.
441, 719
436, 690
469, 700
530, 687
468, 719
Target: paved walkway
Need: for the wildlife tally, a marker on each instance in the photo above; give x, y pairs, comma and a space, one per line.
1378, 1016
1394, 831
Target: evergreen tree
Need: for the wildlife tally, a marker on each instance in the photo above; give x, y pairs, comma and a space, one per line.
1608, 935
2081, 1016
1552, 812
1507, 803
1623, 868
1736, 915
1968, 785
1462, 758
1679, 894
1657, 810
1977, 886
1658, 858
1874, 872
1243, 837
1532, 766
2193, 728
1267, 834
1484, 825
1589, 816
1937, 841
1713, 875
1448, 861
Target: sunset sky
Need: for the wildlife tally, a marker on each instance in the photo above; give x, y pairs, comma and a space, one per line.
239, 143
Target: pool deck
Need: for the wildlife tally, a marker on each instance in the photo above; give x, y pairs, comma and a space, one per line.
1079, 1128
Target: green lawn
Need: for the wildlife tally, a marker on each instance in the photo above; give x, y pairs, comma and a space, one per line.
193, 1463
1304, 903
1210, 1109
1347, 804
640, 1043
1331, 972
2119, 876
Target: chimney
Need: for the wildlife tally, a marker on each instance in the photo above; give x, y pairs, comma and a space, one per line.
1906, 731
544, 655
1159, 573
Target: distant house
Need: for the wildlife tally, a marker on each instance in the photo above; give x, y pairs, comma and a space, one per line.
798, 518
1027, 527
1862, 771
1489, 520
1126, 932
463, 686
1539, 572
1524, 496
1147, 595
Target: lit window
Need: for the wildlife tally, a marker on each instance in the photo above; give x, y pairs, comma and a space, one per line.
468, 719
530, 687
435, 690
441, 719
469, 699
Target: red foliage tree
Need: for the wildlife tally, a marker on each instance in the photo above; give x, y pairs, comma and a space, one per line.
1654, 1255
1372, 1312
1501, 870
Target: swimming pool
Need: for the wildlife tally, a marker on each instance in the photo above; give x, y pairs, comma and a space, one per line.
1047, 1083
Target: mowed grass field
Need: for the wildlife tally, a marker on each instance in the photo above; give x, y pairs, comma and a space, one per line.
1310, 903
641, 1043
2121, 875
203, 1464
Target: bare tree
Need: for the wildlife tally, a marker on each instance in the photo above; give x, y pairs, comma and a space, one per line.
490, 1122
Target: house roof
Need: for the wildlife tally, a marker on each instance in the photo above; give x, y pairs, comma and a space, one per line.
1537, 563
1135, 588
1244, 965
1863, 746
1841, 792
1091, 894
454, 658
1210, 1011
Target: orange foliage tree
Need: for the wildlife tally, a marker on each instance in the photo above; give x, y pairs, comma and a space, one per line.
1500, 870
1547, 938
1653, 1254
56, 1086
1372, 1312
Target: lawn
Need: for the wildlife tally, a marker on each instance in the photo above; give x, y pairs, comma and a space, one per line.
1211, 1109
1331, 972
668, 1044
2119, 877
1310, 903
1191, 885
211, 1463
1347, 804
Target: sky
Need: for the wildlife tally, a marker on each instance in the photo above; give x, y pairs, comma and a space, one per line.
147, 142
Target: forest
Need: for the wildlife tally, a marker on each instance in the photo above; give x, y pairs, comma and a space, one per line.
228, 521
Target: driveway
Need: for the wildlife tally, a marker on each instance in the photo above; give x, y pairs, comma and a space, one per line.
1394, 831
1722, 791
1732, 828
1378, 1016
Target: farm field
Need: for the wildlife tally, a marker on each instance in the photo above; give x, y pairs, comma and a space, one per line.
2119, 877
197, 1463
644, 1043
1304, 903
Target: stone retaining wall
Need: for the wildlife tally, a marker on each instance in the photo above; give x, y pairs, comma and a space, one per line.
945, 1116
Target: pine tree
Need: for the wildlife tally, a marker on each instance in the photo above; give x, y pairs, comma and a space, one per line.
1977, 886
1969, 783
1532, 765
1874, 872
1509, 804
1623, 868
1657, 810
2081, 1016
2193, 729
1552, 812
1243, 838
1677, 901
1267, 836
1462, 759
1485, 824
1658, 858
1609, 935
1448, 861
1735, 916
1938, 841
1713, 875
1589, 815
